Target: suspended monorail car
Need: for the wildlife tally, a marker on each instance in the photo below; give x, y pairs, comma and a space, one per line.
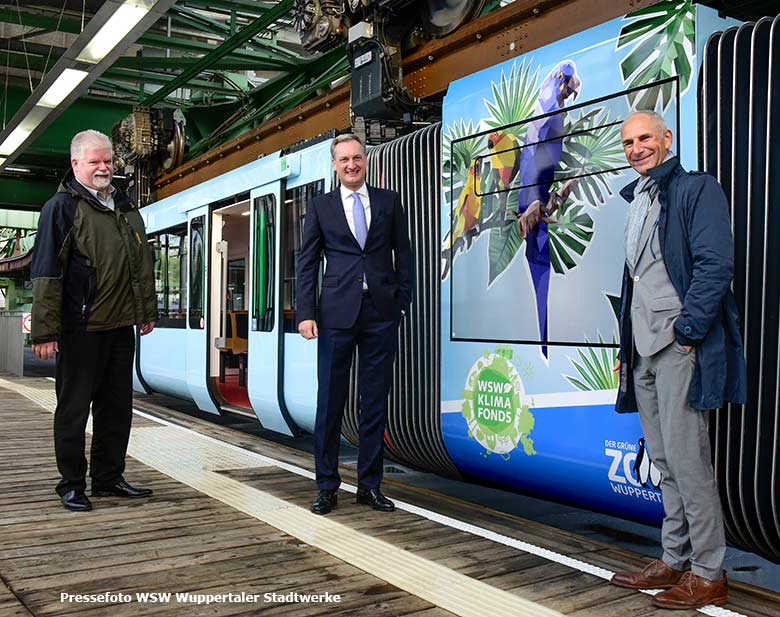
504, 372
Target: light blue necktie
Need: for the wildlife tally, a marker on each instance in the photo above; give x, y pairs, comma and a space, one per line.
359, 218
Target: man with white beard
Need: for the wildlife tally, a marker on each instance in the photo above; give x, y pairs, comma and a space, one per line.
93, 280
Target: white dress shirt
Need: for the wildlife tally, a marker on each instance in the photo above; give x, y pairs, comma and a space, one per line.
108, 203
348, 202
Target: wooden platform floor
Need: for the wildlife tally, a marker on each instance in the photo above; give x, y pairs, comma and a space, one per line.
225, 521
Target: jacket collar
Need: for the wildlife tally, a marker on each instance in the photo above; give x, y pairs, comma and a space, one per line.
73, 187
660, 175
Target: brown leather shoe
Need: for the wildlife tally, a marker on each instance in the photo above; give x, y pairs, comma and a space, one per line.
656, 575
693, 592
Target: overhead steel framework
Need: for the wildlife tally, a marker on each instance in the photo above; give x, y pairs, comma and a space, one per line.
237, 72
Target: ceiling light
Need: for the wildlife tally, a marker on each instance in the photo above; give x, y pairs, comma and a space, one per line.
17, 137
14, 140
34, 117
115, 29
66, 83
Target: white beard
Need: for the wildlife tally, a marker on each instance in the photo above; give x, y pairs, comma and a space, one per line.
101, 182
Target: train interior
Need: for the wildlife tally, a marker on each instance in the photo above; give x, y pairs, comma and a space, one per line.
229, 357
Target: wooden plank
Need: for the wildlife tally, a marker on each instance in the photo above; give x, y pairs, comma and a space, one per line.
10, 606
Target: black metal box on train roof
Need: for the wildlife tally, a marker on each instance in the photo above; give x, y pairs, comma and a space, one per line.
371, 94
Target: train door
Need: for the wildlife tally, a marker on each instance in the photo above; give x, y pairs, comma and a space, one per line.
299, 369
228, 321
197, 361
264, 302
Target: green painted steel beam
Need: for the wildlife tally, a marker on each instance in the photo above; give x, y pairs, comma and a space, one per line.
35, 20
163, 42
246, 34
200, 22
26, 193
226, 64
130, 91
115, 75
18, 59
281, 94
165, 81
247, 6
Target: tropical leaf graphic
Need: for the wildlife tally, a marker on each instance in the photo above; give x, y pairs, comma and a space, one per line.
514, 98
591, 152
569, 236
458, 157
594, 369
661, 41
503, 245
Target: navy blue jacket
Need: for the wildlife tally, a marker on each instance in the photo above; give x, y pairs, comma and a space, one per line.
698, 250
386, 261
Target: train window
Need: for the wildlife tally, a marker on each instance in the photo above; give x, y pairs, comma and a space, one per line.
197, 272
170, 275
263, 278
295, 203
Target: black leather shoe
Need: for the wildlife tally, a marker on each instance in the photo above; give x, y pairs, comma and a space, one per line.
76, 501
121, 489
374, 498
325, 502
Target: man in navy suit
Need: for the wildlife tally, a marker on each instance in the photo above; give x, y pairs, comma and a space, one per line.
366, 288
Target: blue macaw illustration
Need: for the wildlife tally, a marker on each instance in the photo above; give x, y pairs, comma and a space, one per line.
538, 160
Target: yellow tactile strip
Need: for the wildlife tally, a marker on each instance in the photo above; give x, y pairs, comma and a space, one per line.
195, 461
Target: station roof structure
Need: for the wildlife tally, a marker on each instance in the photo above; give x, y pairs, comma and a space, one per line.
223, 63
227, 66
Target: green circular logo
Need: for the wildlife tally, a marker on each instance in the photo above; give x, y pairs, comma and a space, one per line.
494, 406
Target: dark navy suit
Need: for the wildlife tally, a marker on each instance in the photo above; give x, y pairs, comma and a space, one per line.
348, 316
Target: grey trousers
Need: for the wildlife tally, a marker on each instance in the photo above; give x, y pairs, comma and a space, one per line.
676, 435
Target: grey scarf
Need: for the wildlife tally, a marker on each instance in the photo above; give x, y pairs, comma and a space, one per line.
637, 212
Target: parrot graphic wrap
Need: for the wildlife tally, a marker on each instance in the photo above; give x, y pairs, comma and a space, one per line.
466, 215
539, 158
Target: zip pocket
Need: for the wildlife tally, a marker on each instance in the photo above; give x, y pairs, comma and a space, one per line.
89, 294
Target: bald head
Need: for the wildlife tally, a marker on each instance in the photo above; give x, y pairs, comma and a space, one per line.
646, 140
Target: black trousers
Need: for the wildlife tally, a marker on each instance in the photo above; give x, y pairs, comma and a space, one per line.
93, 368
376, 340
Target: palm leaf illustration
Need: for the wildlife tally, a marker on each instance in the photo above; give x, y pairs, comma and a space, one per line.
570, 235
592, 153
594, 368
661, 42
514, 98
503, 245
459, 150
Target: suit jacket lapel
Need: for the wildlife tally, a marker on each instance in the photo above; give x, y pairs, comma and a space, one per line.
340, 215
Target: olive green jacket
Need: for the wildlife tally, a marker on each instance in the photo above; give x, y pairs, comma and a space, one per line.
92, 268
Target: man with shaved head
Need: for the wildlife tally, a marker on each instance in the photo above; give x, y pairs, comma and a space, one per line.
680, 354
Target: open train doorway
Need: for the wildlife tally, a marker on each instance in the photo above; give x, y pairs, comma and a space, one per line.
229, 322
